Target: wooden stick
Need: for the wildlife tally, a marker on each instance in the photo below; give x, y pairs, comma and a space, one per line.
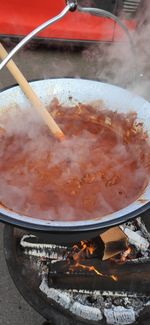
29, 92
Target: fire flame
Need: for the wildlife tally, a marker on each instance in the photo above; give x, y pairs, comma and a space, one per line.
92, 268
125, 254
88, 249
89, 268
123, 257
114, 277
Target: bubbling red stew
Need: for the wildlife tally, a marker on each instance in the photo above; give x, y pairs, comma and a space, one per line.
102, 166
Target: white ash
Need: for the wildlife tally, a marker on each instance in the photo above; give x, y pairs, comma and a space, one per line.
42, 253
49, 251
26, 244
119, 315
144, 259
148, 303
59, 296
130, 224
86, 312
54, 261
143, 229
108, 299
139, 232
133, 229
135, 239
108, 293
118, 307
37, 265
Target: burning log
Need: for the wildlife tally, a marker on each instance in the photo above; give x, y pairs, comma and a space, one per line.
119, 315
60, 297
143, 228
115, 241
128, 276
107, 245
86, 312
33, 247
117, 307
110, 243
64, 300
137, 240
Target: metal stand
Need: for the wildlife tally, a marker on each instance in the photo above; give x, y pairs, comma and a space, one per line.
27, 277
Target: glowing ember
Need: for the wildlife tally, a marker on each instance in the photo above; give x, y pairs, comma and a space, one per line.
86, 247
89, 268
126, 254
114, 277
92, 268
89, 249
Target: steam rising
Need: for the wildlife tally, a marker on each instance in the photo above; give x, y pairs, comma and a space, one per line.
83, 177
117, 64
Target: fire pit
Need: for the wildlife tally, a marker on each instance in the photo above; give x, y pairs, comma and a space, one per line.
104, 280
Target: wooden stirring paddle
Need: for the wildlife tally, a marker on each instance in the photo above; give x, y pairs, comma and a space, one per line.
34, 99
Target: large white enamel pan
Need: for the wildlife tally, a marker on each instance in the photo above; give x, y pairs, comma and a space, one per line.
84, 91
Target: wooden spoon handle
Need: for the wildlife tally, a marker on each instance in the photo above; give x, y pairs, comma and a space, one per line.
29, 92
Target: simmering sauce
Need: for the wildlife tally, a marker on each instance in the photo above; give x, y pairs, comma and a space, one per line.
102, 166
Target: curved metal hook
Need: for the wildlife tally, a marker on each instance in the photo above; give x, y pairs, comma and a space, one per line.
35, 32
104, 13
71, 6
100, 12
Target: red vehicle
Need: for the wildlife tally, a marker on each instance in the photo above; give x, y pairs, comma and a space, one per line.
20, 17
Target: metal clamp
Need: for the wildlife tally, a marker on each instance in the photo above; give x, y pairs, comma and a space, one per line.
73, 4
